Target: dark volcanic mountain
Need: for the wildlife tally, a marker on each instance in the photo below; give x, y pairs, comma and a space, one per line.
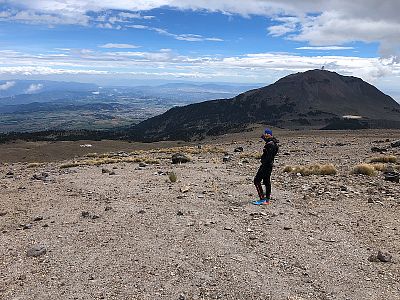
313, 99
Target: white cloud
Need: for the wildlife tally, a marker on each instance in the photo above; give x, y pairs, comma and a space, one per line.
255, 67
32, 71
189, 37
321, 23
7, 85
119, 46
34, 88
325, 48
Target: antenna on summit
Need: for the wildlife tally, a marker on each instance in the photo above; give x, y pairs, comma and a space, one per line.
323, 68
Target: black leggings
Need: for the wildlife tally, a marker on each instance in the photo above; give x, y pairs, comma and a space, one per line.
263, 174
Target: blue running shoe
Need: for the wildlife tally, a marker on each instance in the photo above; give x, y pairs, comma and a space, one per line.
261, 202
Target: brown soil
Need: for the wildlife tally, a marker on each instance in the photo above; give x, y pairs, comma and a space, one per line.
135, 235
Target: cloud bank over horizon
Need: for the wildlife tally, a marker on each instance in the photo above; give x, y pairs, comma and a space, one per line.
227, 40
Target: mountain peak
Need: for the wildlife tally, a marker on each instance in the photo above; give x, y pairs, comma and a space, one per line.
311, 99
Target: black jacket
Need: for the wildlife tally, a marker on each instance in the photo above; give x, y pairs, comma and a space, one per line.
270, 150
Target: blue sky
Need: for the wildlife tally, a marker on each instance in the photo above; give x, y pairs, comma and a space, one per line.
254, 41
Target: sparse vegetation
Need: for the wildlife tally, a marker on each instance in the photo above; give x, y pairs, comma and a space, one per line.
34, 165
364, 169
316, 169
104, 159
379, 167
384, 159
172, 177
188, 150
255, 155
70, 165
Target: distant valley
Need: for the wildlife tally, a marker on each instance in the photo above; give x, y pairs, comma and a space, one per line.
27, 106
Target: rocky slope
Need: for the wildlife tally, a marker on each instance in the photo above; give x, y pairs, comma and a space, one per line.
124, 231
312, 99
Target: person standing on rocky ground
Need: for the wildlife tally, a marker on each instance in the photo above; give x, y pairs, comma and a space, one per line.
270, 150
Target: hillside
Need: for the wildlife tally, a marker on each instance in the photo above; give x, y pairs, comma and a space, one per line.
313, 99
123, 230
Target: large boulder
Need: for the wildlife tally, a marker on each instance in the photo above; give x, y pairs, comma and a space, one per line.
395, 143
180, 158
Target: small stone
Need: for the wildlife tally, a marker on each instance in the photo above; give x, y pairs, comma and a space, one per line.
395, 144
112, 173
95, 217
142, 211
38, 218
238, 149
179, 213
181, 297
384, 256
36, 251
2, 213
370, 200
226, 158
108, 208
27, 226
104, 170
42, 176
142, 165
287, 227
85, 214
228, 228
184, 189
22, 277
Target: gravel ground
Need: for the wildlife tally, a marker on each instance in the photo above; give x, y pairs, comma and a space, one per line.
136, 235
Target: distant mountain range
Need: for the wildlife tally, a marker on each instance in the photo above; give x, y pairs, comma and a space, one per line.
313, 99
17, 92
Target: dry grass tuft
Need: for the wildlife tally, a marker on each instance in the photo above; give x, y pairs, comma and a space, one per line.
379, 167
106, 159
384, 159
34, 165
172, 177
364, 169
255, 155
316, 169
70, 165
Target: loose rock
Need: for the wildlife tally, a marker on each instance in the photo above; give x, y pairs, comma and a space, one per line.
180, 158
384, 256
226, 158
36, 251
395, 143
